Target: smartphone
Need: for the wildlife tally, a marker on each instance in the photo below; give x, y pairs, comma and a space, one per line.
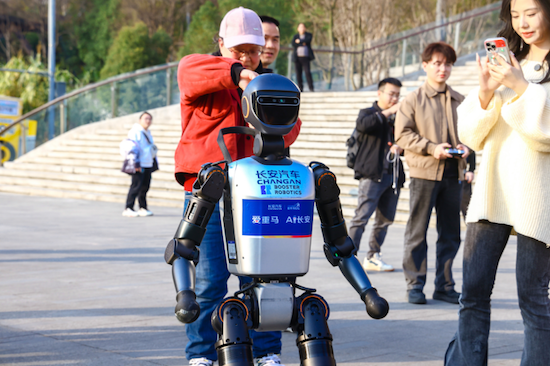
495, 46
456, 153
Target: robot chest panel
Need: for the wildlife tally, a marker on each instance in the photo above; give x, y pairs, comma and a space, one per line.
273, 215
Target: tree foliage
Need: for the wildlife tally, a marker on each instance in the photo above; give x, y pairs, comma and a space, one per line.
199, 37
31, 88
134, 49
94, 26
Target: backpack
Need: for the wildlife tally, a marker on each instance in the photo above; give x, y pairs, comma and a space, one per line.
353, 143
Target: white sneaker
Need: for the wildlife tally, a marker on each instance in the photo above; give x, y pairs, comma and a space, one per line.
129, 213
200, 362
268, 360
144, 212
376, 264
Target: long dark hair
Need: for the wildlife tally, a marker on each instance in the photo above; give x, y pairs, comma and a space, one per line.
515, 42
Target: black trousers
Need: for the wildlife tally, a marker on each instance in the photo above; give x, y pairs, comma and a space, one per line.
303, 65
445, 196
139, 188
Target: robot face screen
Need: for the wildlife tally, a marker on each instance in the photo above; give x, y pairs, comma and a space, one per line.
277, 109
271, 104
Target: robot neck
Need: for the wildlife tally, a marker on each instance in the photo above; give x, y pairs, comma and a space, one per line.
269, 147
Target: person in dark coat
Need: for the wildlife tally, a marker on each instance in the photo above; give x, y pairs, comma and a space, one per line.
302, 56
376, 174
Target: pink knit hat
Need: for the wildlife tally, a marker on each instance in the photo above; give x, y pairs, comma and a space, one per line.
241, 26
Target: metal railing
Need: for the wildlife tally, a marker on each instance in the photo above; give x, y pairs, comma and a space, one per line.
118, 96
156, 86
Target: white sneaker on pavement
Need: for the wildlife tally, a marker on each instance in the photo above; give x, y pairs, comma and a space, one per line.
129, 213
268, 360
200, 362
376, 264
144, 212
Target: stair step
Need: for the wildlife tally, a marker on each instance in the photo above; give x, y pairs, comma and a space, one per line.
64, 193
32, 168
113, 164
92, 188
113, 179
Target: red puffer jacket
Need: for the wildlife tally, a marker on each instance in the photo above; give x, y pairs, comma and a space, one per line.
209, 102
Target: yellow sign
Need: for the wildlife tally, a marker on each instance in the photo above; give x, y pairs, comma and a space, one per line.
11, 142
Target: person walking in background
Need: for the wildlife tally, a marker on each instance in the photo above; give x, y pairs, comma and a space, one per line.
425, 126
272, 40
508, 117
210, 88
302, 56
467, 183
375, 173
146, 164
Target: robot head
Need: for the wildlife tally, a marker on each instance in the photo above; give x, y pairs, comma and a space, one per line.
271, 103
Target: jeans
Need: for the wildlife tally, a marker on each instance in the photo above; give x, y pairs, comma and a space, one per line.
139, 188
303, 64
211, 288
374, 196
483, 247
445, 196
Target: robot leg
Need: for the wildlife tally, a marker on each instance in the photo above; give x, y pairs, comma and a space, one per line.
314, 339
182, 252
230, 320
339, 248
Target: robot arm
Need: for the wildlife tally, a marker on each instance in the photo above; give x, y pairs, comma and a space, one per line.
182, 252
339, 248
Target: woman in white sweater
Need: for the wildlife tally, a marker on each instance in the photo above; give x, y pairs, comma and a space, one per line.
508, 117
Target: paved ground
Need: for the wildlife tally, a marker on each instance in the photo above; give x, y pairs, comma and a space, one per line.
80, 284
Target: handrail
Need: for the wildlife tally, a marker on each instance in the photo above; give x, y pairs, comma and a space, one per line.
88, 88
488, 9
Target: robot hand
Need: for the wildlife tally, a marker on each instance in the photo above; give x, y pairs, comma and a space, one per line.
339, 248
182, 252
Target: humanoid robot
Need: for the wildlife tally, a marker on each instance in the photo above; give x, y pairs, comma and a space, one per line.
266, 203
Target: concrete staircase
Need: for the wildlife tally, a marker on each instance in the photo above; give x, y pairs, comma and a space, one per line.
84, 163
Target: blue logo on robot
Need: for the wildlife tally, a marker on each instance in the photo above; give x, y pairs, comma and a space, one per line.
277, 217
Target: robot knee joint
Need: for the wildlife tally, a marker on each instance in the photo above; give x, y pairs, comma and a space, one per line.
314, 341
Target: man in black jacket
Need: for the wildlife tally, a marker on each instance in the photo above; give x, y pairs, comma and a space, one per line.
302, 56
375, 172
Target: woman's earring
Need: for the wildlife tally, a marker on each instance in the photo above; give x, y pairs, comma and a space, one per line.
521, 46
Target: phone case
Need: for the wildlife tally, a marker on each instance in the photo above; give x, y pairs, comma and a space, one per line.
497, 45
